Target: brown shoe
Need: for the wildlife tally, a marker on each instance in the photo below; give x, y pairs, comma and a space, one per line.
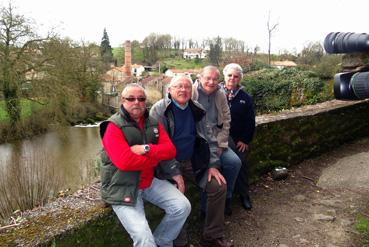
215, 242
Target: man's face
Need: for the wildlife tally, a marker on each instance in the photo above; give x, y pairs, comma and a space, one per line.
209, 81
181, 91
232, 79
135, 103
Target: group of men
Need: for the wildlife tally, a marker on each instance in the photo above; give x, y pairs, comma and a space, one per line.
148, 155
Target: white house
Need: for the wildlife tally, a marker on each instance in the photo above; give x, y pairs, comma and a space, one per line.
137, 69
194, 53
176, 72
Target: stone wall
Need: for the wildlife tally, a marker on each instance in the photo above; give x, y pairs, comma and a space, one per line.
281, 139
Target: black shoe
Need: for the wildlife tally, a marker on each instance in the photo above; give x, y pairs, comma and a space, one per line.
202, 214
246, 202
227, 208
216, 242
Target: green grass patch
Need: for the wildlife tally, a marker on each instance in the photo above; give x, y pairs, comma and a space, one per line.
182, 63
27, 106
362, 225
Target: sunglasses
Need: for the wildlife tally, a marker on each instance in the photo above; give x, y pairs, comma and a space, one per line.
132, 99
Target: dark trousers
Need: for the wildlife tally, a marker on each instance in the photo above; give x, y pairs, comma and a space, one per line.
242, 182
214, 219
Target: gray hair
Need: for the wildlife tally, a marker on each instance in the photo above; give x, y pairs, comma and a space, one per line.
235, 67
175, 79
210, 67
130, 86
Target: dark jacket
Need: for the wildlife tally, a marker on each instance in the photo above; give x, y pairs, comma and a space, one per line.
120, 187
205, 153
243, 117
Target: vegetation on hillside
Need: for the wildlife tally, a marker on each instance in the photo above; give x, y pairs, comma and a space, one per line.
275, 90
59, 74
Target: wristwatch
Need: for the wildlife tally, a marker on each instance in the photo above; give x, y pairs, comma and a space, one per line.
146, 148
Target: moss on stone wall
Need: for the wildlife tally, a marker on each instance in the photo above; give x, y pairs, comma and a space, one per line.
289, 141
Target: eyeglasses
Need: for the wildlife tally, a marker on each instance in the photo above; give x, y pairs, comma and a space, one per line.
234, 76
181, 86
132, 99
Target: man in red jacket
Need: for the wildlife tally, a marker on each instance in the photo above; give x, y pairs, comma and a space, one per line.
133, 144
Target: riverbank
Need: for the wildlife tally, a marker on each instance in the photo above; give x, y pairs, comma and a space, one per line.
42, 121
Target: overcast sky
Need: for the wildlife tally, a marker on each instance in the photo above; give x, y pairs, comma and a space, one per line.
299, 21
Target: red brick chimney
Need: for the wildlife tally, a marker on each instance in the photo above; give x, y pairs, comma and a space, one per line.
127, 58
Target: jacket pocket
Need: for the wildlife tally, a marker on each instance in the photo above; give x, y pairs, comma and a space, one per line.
123, 187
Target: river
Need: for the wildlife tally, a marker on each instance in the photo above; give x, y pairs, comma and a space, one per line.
62, 160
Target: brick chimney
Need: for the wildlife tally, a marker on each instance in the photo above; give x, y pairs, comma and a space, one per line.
127, 58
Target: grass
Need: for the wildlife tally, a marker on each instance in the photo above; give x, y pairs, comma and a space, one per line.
33, 178
27, 106
362, 225
182, 63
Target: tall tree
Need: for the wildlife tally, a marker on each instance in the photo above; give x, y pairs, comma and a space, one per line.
20, 54
311, 54
105, 49
215, 52
271, 29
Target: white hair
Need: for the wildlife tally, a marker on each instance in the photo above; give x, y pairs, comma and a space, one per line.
132, 85
235, 67
175, 79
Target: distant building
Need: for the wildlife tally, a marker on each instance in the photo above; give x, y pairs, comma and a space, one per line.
194, 53
137, 69
176, 72
283, 64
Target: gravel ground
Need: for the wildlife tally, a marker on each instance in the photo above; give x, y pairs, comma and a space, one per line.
315, 206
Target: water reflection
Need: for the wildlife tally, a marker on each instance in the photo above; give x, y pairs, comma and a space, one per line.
66, 157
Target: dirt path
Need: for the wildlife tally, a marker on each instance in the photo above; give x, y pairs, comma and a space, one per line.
315, 206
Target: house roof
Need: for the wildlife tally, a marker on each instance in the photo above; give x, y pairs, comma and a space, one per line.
135, 66
188, 71
193, 50
285, 63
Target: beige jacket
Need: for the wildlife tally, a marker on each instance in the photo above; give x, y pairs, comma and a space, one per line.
224, 115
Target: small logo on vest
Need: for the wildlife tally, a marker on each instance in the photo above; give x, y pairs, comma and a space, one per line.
127, 199
156, 131
242, 102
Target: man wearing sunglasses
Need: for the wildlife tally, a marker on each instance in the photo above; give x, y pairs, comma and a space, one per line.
133, 144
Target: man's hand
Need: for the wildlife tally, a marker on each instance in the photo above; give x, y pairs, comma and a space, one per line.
242, 147
180, 183
220, 151
138, 149
214, 172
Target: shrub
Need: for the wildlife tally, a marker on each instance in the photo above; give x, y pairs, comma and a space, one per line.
275, 90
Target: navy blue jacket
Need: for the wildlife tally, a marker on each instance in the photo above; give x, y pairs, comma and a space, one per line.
243, 117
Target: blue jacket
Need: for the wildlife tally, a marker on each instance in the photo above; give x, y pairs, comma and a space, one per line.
243, 116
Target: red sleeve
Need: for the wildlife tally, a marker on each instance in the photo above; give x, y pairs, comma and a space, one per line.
164, 149
120, 153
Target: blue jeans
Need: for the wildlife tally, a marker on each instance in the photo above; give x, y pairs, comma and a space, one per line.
230, 167
164, 195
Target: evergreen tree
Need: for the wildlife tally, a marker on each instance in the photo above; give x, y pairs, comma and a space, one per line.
105, 48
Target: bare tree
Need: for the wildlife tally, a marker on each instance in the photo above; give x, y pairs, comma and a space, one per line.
271, 29
20, 54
